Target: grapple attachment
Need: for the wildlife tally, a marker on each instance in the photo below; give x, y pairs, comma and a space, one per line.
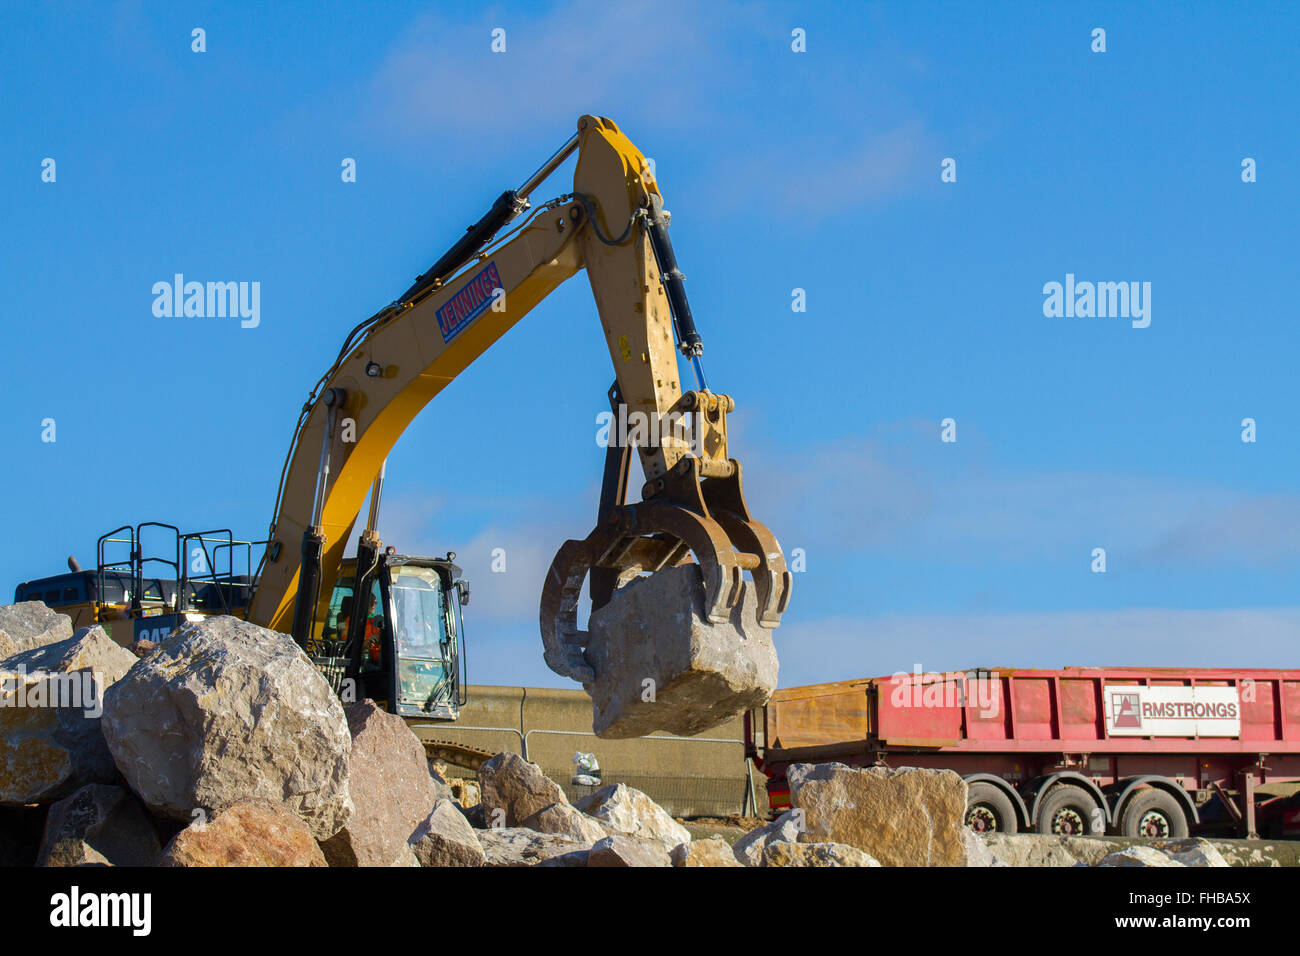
696, 513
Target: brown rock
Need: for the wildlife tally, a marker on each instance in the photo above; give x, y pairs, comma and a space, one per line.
100, 825
392, 789
512, 790
248, 833
566, 821
445, 838
711, 852
31, 624
905, 817
618, 850
51, 742
704, 673
815, 854
7, 647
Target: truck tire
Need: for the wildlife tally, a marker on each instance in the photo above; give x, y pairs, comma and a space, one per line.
1068, 810
989, 810
1154, 814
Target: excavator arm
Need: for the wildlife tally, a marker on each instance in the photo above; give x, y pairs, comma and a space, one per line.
612, 225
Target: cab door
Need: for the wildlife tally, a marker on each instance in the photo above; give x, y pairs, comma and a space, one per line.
424, 678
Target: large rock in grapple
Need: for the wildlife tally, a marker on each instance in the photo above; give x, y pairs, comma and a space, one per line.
248, 833
51, 696
654, 629
391, 786
224, 711
98, 825
31, 624
904, 817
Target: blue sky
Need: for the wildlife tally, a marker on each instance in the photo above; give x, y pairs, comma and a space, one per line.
817, 170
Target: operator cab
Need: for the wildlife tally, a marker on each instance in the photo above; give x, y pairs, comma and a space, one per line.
412, 646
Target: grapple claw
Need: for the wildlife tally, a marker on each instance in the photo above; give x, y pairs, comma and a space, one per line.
658, 533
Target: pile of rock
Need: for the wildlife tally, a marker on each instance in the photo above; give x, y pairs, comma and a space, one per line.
223, 745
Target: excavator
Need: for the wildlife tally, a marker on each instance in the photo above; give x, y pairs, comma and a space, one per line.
390, 624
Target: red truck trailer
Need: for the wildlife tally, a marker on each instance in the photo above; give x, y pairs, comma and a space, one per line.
1136, 751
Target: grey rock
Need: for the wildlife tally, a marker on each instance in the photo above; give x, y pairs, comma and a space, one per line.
31, 624
223, 711
98, 825
704, 673
978, 852
1036, 849
89, 649
1194, 851
445, 838
566, 821
626, 810
1138, 856
749, 849
618, 850
517, 846
780, 853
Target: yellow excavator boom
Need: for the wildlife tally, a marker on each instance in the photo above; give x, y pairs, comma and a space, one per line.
613, 226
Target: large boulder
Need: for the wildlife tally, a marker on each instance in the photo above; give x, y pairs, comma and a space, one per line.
32, 624
904, 817
247, 833
51, 740
512, 790
749, 849
391, 786
98, 825
517, 846
711, 852
567, 821
618, 850
781, 853
703, 672
445, 838
623, 809
224, 711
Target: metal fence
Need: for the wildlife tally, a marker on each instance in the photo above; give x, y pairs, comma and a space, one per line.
728, 791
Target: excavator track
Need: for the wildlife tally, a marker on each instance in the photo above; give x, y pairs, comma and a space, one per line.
455, 754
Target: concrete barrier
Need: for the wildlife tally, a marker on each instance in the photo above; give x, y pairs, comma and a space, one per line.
689, 776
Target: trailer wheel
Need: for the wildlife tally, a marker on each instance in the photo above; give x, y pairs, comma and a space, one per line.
989, 810
1067, 810
1154, 814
